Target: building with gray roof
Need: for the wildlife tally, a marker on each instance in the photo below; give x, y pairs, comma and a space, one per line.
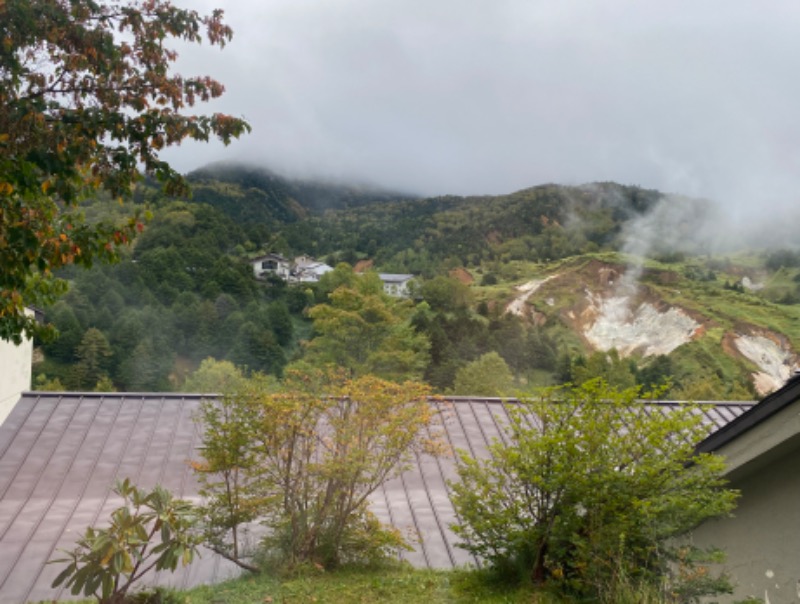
61, 454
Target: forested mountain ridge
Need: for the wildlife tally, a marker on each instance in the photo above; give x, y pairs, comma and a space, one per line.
256, 194
540, 274
538, 223
541, 223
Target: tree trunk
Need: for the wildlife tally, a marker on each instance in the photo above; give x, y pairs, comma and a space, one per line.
539, 571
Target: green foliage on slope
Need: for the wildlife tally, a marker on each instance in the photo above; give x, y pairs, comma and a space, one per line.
248, 193
420, 236
186, 292
180, 295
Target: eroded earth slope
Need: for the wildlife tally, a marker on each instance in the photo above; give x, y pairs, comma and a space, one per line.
610, 310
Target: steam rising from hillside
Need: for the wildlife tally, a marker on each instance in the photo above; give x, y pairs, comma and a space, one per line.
679, 224
675, 224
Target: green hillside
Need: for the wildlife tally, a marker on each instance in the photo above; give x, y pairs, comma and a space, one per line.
254, 194
716, 327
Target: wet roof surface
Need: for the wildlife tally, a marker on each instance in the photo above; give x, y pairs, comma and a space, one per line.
60, 455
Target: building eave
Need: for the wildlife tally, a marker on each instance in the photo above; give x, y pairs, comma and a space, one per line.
759, 413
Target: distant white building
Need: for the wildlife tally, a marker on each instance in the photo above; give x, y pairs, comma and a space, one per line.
301, 261
305, 269
396, 284
308, 270
271, 264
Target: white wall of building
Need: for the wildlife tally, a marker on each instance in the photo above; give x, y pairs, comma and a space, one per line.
15, 373
761, 539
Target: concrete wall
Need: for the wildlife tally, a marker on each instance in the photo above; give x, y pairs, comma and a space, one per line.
762, 539
15, 373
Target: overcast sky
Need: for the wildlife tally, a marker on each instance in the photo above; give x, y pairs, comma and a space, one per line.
491, 96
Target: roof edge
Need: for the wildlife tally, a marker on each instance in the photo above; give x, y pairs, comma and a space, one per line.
766, 408
434, 397
92, 394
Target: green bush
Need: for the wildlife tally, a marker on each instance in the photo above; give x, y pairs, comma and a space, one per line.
591, 494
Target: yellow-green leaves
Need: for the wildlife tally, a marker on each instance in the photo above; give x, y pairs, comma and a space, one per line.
305, 458
364, 330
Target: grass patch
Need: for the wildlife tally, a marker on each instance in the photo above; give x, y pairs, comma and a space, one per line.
392, 585
398, 584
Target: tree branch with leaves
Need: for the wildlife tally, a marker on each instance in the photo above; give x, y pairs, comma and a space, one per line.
88, 99
150, 531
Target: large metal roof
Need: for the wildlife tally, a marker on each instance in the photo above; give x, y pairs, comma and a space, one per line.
61, 453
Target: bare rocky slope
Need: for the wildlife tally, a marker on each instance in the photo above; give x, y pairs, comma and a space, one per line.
608, 308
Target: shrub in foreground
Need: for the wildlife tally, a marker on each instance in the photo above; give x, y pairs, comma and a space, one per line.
151, 531
591, 493
303, 461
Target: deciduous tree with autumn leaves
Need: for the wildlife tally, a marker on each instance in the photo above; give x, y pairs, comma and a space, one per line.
88, 99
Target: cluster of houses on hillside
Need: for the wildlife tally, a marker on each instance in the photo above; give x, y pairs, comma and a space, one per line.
304, 269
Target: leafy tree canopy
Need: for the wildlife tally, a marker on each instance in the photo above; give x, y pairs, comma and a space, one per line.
609, 366
87, 100
367, 332
489, 375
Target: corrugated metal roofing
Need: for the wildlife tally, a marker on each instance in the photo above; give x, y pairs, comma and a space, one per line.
60, 455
